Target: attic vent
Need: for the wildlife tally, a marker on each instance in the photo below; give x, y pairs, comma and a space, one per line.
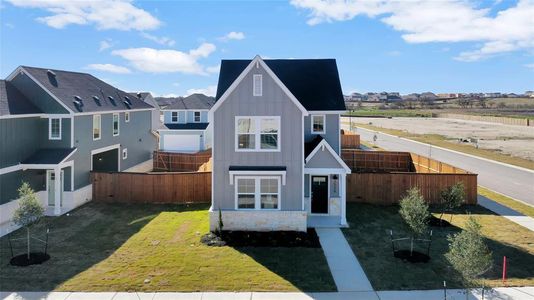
128, 104
112, 100
77, 98
127, 100
97, 100
50, 72
139, 95
78, 104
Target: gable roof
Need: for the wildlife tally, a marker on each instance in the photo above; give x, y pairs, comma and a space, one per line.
65, 85
13, 102
323, 144
314, 82
194, 101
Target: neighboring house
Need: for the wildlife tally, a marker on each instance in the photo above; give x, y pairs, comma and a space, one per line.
147, 98
56, 126
276, 145
186, 125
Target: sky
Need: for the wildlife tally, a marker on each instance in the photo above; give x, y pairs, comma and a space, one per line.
173, 48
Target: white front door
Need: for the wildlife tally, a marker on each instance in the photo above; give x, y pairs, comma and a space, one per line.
50, 186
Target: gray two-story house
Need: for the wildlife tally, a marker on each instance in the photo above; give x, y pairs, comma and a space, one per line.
276, 145
56, 126
186, 125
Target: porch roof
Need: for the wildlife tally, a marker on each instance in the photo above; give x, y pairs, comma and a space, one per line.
49, 156
256, 168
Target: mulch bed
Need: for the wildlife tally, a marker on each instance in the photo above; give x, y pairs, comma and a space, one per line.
435, 222
415, 257
36, 258
287, 239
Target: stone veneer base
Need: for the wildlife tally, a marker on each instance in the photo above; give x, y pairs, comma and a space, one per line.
255, 220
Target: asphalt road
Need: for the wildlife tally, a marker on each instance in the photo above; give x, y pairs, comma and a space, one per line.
508, 180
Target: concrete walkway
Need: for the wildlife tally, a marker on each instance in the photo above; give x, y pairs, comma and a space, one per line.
507, 212
523, 293
346, 270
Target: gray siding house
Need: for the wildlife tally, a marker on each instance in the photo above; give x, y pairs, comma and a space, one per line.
276, 145
186, 124
56, 126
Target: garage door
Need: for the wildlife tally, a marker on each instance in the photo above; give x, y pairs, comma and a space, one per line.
107, 161
185, 143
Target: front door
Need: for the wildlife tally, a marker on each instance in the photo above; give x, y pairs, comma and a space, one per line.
319, 194
51, 181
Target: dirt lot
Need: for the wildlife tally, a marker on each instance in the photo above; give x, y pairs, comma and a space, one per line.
513, 140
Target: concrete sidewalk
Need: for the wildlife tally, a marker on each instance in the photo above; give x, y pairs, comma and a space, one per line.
344, 266
507, 212
523, 293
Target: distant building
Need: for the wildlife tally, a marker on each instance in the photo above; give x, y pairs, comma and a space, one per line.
529, 94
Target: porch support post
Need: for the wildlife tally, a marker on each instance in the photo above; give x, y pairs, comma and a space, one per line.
57, 191
343, 190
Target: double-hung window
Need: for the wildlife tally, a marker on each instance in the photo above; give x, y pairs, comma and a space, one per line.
127, 117
257, 133
116, 124
257, 85
96, 127
54, 129
317, 124
174, 116
262, 192
196, 117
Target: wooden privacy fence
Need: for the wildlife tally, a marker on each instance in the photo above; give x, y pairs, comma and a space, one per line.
389, 188
189, 187
492, 119
425, 164
182, 162
377, 161
350, 140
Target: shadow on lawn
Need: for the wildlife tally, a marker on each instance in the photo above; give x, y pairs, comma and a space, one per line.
368, 235
78, 241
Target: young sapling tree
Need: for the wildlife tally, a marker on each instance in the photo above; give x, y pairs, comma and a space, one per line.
414, 211
29, 211
451, 198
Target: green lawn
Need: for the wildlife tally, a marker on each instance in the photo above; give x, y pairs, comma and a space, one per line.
368, 235
525, 209
103, 247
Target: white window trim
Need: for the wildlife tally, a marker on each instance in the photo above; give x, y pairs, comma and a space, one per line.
199, 116
257, 193
50, 137
118, 124
125, 153
177, 116
257, 93
99, 127
127, 117
257, 134
324, 124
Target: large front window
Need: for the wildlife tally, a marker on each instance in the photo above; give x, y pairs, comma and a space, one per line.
257, 133
257, 192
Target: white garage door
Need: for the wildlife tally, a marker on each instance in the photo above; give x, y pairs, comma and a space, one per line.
186, 143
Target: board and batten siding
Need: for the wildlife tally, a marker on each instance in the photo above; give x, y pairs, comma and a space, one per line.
273, 102
332, 130
185, 116
135, 135
37, 95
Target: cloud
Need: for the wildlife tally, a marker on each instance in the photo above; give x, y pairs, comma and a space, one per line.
511, 29
393, 53
9, 25
109, 68
233, 35
116, 14
213, 69
105, 44
167, 61
208, 91
530, 66
163, 40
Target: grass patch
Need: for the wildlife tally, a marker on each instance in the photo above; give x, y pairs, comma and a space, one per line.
103, 247
527, 210
442, 141
368, 236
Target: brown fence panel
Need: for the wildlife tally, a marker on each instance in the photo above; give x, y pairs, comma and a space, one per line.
424, 164
377, 161
182, 162
350, 140
191, 187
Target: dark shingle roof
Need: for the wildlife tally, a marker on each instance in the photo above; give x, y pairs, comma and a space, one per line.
311, 145
13, 102
314, 82
187, 126
48, 156
65, 85
256, 168
194, 101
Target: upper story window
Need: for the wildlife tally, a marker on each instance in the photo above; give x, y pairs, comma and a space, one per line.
257, 133
174, 116
257, 85
116, 124
127, 117
318, 124
54, 129
97, 122
196, 117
